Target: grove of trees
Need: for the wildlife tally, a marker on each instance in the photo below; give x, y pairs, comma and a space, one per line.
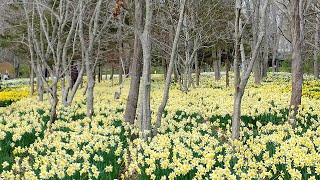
69, 44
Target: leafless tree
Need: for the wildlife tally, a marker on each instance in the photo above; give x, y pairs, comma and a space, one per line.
241, 82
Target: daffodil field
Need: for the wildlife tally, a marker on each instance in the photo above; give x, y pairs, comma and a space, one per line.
9, 95
193, 141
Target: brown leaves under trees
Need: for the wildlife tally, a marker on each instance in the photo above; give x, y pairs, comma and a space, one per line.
117, 9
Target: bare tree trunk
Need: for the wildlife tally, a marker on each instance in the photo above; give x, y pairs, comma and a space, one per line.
255, 27
216, 63
237, 95
54, 103
31, 49
175, 73
31, 78
145, 116
164, 67
90, 87
99, 73
227, 71
316, 50
171, 67
265, 59
297, 59
136, 66
40, 86
240, 85
244, 62
197, 69
275, 44
120, 49
87, 50
16, 68
243, 56
106, 72
257, 72
136, 71
112, 72
76, 85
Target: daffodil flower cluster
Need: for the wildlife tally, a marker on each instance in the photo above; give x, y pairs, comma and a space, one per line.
193, 141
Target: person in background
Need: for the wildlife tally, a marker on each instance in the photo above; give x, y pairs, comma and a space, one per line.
6, 76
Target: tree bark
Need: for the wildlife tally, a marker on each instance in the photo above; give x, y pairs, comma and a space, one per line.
164, 67
265, 65
16, 68
243, 61
136, 67
136, 71
216, 64
197, 69
90, 88
99, 72
243, 57
112, 72
54, 103
237, 103
171, 67
120, 49
40, 86
240, 85
255, 27
31, 83
275, 44
297, 58
227, 71
316, 50
144, 120
106, 72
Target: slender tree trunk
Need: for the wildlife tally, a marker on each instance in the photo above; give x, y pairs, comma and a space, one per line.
16, 68
275, 45
237, 102
197, 69
120, 49
175, 73
54, 103
99, 72
227, 71
136, 67
90, 87
265, 59
112, 72
145, 121
274, 61
31, 79
257, 72
244, 62
106, 72
136, 71
171, 66
31, 47
216, 63
240, 85
76, 85
164, 67
255, 27
297, 59
316, 50
40, 86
